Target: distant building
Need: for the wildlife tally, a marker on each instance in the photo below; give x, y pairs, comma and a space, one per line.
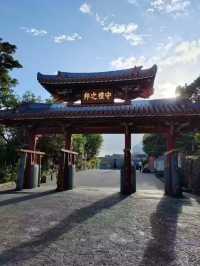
114, 161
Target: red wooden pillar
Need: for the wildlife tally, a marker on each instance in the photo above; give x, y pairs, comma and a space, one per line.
64, 162
68, 141
172, 179
171, 143
128, 182
68, 146
34, 148
170, 139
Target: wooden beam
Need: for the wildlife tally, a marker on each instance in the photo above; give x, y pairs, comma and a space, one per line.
69, 151
31, 151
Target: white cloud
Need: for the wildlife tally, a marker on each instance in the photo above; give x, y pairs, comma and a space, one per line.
85, 8
101, 20
67, 38
178, 63
165, 90
172, 54
133, 2
121, 28
34, 31
184, 53
176, 7
129, 62
127, 31
167, 46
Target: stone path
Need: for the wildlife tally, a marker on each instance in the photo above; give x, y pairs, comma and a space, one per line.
111, 178
97, 226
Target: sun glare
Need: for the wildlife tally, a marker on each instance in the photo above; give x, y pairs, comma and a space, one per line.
166, 90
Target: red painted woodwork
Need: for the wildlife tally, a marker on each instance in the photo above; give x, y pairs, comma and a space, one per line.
127, 160
126, 84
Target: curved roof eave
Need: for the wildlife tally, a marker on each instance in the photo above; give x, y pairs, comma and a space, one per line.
136, 73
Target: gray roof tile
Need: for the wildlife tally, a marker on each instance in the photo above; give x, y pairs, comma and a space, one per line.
137, 108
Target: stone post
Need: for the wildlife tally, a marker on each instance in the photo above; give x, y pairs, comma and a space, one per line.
65, 162
31, 159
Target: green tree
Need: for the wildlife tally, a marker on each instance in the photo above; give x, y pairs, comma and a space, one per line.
189, 143
154, 144
12, 139
79, 142
8, 137
93, 145
50, 100
7, 64
30, 97
189, 91
87, 147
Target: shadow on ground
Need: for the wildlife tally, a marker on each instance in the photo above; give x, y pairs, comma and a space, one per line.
30, 249
160, 249
30, 196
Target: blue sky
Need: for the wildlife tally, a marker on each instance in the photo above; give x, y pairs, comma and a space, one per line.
101, 35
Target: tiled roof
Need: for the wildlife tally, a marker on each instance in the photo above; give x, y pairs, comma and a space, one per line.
138, 108
118, 75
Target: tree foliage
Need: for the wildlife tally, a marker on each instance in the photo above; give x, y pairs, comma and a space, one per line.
188, 143
92, 145
7, 64
191, 91
12, 138
9, 138
30, 97
79, 142
87, 146
154, 144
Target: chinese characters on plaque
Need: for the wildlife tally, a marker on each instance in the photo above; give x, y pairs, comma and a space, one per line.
98, 96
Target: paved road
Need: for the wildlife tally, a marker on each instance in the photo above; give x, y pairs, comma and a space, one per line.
111, 178
98, 226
